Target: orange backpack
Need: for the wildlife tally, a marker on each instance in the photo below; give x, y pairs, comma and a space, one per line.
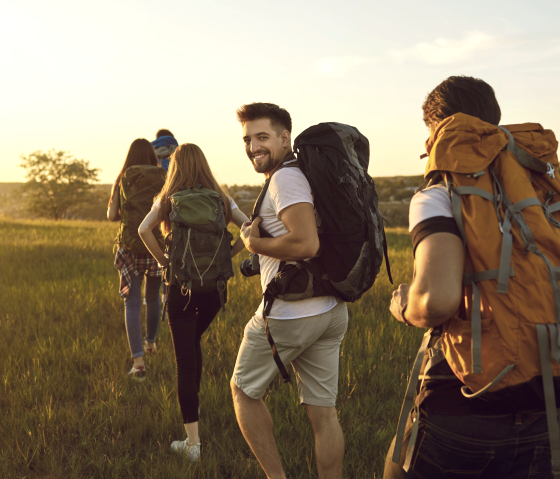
505, 195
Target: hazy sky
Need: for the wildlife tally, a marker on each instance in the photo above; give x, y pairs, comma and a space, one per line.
89, 76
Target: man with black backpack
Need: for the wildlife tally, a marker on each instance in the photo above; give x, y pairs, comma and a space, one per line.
306, 332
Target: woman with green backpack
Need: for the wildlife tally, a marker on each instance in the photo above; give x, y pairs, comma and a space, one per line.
195, 210
138, 182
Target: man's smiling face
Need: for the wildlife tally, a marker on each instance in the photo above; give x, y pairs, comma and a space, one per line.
265, 146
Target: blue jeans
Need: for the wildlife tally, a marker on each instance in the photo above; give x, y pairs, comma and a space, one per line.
482, 447
132, 308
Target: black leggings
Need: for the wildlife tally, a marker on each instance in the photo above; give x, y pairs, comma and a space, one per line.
187, 328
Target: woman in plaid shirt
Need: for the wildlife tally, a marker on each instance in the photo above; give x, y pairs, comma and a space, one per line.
133, 267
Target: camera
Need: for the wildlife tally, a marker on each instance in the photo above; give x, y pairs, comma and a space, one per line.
250, 267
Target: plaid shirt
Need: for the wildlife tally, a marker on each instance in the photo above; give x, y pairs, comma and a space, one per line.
134, 264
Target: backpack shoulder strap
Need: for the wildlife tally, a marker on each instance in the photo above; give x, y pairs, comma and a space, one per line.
260, 199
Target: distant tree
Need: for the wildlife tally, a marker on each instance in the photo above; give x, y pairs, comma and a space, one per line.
57, 182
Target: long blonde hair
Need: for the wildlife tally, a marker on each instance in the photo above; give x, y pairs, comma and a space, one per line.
188, 167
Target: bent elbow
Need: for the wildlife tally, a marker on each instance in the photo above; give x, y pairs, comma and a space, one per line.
440, 309
142, 231
308, 250
312, 251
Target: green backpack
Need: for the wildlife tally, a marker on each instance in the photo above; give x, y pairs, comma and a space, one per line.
139, 185
199, 245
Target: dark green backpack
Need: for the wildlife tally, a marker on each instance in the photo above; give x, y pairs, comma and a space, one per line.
199, 245
139, 185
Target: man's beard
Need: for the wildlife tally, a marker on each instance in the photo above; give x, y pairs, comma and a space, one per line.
265, 167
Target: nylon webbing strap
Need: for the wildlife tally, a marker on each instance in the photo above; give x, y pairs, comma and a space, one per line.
456, 209
476, 331
556, 270
549, 400
505, 258
386, 254
516, 209
521, 205
268, 302
530, 245
523, 158
554, 208
412, 441
554, 348
476, 313
473, 190
513, 210
497, 379
456, 193
409, 397
436, 356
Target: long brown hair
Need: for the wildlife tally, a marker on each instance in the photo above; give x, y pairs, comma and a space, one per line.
188, 167
141, 152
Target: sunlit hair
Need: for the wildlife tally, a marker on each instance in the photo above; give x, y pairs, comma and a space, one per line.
461, 94
279, 118
188, 167
141, 152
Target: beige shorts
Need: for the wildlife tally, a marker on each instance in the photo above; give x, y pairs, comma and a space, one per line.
311, 344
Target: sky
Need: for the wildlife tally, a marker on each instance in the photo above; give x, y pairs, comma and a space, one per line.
89, 77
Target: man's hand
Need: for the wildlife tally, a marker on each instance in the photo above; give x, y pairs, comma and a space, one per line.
399, 301
249, 231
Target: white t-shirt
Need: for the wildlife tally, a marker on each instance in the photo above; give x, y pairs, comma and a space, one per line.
288, 186
431, 202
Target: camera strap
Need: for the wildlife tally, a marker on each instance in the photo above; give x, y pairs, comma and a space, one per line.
269, 297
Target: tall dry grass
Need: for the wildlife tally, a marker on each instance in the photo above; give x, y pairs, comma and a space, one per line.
69, 410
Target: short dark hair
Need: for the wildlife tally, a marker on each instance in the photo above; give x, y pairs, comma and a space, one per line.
279, 118
462, 94
162, 132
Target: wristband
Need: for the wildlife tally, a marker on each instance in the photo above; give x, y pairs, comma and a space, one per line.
405, 321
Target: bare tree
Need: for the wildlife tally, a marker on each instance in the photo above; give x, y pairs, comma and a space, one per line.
57, 182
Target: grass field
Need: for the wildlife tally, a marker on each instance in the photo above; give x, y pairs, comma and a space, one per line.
69, 410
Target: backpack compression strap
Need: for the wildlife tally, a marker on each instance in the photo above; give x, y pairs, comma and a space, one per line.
269, 296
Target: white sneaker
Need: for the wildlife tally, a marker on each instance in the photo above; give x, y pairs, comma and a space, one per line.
137, 373
182, 447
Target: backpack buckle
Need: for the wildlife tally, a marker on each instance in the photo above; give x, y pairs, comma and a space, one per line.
550, 170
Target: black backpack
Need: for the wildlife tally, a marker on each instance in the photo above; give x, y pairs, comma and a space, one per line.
334, 158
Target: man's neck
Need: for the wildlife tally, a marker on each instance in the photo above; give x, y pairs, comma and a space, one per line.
286, 155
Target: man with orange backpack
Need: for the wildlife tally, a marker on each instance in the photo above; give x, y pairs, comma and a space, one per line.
486, 239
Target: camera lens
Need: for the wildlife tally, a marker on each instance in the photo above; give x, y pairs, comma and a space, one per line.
246, 268
250, 267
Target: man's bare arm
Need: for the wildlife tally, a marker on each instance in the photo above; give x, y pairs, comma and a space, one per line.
436, 290
300, 242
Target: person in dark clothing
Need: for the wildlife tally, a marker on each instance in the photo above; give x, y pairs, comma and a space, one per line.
188, 167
